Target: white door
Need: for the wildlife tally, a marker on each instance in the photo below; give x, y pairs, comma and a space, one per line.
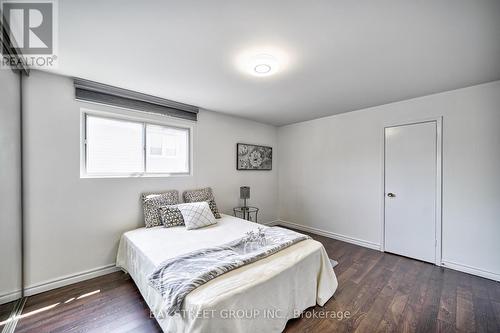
410, 190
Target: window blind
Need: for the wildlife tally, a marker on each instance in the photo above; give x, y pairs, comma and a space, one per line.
90, 91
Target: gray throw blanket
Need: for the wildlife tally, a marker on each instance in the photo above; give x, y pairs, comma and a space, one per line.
177, 277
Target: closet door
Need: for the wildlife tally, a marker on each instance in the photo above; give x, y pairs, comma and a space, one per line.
10, 217
410, 190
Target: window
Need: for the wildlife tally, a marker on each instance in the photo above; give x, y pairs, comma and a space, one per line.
120, 147
166, 149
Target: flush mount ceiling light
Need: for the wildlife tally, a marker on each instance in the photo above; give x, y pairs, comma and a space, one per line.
263, 65
262, 69
262, 61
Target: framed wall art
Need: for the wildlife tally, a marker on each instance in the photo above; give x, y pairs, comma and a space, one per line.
253, 157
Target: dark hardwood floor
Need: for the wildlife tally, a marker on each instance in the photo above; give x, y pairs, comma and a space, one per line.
381, 292
5, 311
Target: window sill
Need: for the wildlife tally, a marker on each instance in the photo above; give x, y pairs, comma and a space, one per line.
149, 175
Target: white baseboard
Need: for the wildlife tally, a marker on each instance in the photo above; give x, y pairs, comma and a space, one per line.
471, 270
59, 282
271, 223
445, 263
10, 297
69, 279
329, 234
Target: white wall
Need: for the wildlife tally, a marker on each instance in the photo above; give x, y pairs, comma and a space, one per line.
73, 224
330, 172
10, 223
329, 176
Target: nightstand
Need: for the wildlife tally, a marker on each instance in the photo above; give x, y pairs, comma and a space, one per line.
246, 213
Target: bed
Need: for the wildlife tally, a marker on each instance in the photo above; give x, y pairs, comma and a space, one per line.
259, 297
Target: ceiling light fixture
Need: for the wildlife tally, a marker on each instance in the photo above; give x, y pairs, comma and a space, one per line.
262, 69
262, 61
263, 65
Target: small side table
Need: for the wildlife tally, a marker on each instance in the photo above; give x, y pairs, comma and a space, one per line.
246, 213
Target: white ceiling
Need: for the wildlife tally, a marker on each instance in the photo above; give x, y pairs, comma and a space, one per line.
337, 56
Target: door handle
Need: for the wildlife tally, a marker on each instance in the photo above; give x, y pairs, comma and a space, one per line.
391, 195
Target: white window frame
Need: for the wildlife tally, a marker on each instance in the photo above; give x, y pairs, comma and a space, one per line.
137, 117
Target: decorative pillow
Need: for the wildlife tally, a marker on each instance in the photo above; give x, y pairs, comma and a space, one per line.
170, 216
152, 201
213, 208
196, 215
203, 194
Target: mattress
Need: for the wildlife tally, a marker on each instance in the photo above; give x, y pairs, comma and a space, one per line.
259, 297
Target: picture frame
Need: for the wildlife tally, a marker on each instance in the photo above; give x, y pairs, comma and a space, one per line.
253, 157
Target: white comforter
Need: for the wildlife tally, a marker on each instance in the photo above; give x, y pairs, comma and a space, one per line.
259, 297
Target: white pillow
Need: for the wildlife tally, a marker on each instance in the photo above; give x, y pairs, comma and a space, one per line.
196, 214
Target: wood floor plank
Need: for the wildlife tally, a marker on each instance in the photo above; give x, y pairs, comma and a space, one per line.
496, 312
430, 307
448, 300
414, 306
378, 308
466, 321
483, 309
445, 327
392, 315
369, 293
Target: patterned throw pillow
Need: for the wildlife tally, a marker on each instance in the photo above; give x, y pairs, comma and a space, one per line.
213, 208
196, 215
203, 194
171, 216
152, 201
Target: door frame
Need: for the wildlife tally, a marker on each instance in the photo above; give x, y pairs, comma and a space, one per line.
439, 183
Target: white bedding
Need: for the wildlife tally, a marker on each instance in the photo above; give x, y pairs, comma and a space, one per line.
259, 297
